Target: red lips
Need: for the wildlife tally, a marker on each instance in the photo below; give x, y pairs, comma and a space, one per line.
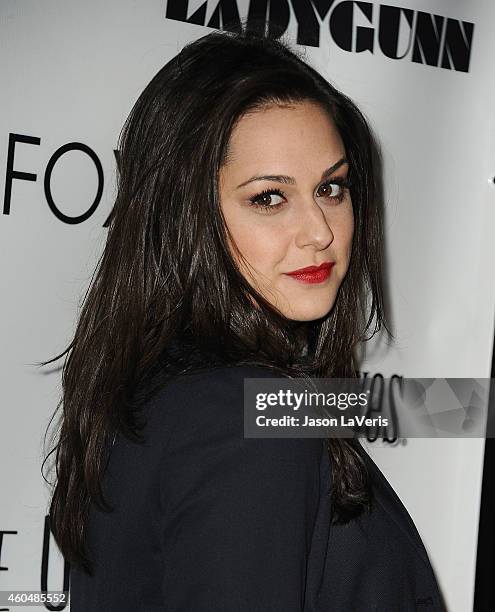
313, 274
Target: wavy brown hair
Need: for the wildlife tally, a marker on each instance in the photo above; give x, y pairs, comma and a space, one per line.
167, 297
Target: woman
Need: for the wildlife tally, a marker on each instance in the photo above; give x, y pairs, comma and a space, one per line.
240, 167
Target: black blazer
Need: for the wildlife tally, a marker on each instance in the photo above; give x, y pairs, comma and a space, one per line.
206, 520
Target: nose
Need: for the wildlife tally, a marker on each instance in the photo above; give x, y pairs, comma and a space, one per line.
313, 227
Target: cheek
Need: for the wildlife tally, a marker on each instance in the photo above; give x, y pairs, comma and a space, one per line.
343, 230
261, 244
347, 230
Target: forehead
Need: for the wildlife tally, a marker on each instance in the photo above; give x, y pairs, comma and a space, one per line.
284, 138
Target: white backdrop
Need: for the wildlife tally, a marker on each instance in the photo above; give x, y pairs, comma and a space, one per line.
70, 73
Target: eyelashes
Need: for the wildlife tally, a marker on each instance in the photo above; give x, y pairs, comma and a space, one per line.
262, 200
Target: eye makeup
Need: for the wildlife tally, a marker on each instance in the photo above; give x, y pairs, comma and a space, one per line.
266, 206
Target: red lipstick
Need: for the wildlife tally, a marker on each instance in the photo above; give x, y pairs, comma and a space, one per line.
313, 274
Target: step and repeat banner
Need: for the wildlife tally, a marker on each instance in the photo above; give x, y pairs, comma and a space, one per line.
420, 71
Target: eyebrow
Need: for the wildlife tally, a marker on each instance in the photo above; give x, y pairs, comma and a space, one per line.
290, 180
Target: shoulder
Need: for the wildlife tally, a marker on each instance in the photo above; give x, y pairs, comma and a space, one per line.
208, 460
205, 410
198, 394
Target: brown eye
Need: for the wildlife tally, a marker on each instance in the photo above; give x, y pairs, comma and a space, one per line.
267, 199
331, 190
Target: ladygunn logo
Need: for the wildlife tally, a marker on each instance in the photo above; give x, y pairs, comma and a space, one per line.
356, 27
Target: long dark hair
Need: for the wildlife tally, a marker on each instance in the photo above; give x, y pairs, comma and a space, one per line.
166, 277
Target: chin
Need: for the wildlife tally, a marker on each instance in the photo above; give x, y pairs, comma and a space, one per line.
309, 313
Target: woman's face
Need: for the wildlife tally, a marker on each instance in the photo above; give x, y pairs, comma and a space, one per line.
296, 156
